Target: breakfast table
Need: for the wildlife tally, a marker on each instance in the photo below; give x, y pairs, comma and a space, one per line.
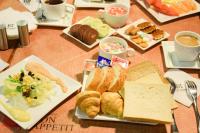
68, 56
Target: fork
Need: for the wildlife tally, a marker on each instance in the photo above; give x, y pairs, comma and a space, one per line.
191, 89
173, 87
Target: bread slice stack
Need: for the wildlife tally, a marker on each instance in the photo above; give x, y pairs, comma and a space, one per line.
106, 79
146, 94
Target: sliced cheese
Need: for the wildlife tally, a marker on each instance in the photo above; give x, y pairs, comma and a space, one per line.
147, 102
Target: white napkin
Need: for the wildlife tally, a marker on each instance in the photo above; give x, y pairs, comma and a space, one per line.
3, 64
179, 77
32, 6
10, 16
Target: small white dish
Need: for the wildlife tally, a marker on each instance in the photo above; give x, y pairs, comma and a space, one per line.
63, 22
81, 115
100, 4
38, 112
162, 18
66, 31
150, 43
171, 60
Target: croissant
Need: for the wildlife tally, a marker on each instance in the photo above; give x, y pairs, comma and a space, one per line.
112, 104
89, 102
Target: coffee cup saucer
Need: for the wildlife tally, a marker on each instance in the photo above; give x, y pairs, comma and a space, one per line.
62, 22
171, 60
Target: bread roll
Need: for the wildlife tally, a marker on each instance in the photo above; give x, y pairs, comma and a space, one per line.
94, 79
89, 102
118, 78
112, 104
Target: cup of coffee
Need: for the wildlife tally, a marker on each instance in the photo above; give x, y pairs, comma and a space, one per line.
187, 45
114, 46
115, 14
54, 10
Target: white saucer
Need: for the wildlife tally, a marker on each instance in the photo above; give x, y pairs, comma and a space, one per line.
171, 60
63, 22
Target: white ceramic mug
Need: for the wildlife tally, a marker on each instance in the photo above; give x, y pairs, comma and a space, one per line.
186, 52
115, 21
122, 54
54, 12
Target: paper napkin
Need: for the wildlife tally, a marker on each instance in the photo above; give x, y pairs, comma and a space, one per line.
179, 77
32, 6
9, 16
3, 64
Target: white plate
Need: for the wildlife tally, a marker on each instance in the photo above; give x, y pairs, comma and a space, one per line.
171, 60
150, 43
81, 115
41, 110
89, 4
165, 18
66, 31
63, 22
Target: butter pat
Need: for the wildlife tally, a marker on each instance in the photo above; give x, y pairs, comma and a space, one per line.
147, 102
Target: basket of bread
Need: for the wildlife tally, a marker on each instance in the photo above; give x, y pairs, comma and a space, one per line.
138, 94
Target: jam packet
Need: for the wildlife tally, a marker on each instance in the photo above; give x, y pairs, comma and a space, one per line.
117, 60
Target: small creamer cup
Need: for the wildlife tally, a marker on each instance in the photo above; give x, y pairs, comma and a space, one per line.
186, 53
112, 20
54, 12
123, 54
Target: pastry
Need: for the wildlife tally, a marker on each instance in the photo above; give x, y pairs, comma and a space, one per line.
132, 30
143, 44
144, 25
112, 104
89, 102
149, 29
158, 34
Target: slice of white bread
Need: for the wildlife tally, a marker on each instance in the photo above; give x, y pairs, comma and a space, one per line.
147, 102
118, 79
94, 79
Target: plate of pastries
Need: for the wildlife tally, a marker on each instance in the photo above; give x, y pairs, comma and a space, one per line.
143, 33
89, 31
139, 94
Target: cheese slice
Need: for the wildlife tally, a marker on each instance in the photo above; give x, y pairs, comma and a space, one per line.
147, 102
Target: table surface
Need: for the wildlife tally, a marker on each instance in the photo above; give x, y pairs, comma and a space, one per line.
67, 55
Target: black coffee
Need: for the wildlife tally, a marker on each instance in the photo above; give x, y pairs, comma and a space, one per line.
54, 2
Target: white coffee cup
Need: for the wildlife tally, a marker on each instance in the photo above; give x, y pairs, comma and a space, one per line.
115, 21
186, 52
54, 12
123, 53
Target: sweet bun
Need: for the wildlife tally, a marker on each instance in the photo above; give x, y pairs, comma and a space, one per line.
89, 102
112, 104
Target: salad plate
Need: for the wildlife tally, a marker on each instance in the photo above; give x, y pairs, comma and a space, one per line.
63, 22
37, 112
148, 38
162, 18
97, 4
82, 21
171, 60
